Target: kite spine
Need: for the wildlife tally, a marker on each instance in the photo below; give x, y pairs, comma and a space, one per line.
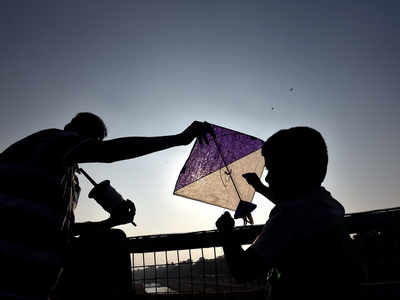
226, 166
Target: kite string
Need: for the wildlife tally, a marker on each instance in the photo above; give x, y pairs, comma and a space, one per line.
226, 166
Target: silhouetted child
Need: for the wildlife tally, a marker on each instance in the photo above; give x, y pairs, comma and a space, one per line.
303, 245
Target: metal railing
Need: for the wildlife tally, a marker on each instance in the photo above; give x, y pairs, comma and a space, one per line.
187, 263
193, 263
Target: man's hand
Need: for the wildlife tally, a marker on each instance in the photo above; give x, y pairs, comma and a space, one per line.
196, 130
124, 214
225, 223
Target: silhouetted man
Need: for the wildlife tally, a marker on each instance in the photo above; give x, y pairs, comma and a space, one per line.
303, 246
39, 192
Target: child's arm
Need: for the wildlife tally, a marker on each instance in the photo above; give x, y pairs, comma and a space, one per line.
244, 265
256, 183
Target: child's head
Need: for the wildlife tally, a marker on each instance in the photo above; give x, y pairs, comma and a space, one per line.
296, 159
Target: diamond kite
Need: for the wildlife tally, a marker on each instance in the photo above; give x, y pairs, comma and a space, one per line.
213, 172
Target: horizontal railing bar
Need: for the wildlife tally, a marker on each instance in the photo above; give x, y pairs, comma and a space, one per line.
191, 240
355, 223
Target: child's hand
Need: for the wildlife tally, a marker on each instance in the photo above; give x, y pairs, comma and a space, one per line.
256, 183
225, 223
252, 179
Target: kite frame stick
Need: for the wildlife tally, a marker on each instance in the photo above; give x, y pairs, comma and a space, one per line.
230, 175
226, 166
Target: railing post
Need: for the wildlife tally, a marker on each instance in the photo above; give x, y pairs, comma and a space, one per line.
204, 271
216, 270
144, 272
166, 270
179, 272
191, 270
132, 256
155, 270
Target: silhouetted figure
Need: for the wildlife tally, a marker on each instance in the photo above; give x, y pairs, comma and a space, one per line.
303, 246
97, 266
39, 192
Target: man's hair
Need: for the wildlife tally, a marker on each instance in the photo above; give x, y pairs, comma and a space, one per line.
89, 125
299, 147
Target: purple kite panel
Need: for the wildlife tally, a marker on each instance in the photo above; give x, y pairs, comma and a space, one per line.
228, 146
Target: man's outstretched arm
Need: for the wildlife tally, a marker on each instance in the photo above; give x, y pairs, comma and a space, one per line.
131, 147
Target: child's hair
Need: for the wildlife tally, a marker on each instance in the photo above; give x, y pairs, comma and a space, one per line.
299, 147
88, 124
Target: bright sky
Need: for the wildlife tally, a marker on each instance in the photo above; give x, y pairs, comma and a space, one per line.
152, 67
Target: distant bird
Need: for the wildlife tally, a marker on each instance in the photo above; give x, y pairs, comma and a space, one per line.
291, 90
